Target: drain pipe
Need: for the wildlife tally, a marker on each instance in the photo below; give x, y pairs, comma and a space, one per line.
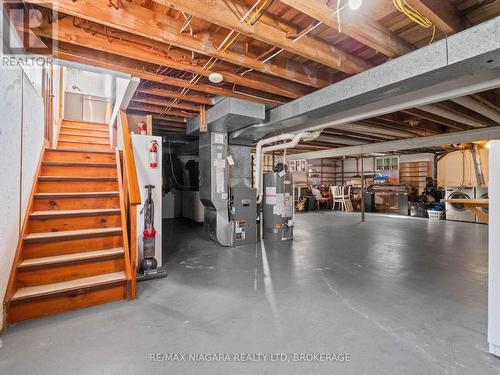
477, 165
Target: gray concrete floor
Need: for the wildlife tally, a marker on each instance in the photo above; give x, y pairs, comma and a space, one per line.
399, 295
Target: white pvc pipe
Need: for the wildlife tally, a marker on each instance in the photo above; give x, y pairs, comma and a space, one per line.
258, 161
295, 139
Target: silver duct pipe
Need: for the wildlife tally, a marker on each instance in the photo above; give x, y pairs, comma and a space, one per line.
478, 169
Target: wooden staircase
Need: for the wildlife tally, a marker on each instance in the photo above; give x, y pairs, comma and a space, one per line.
73, 252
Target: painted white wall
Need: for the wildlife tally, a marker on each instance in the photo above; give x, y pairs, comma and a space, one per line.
10, 172
494, 250
33, 139
56, 71
124, 91
88, 83
21, 141
120, 91
21, 133
146, 176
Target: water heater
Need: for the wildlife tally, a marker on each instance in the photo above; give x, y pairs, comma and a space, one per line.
278, 206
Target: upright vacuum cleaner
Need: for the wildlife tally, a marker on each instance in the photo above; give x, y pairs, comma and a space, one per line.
149, 265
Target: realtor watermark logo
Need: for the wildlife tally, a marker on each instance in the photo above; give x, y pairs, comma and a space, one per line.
251, 357
22, 40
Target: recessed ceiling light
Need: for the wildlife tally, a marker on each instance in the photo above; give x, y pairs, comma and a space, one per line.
355, 4
215, 78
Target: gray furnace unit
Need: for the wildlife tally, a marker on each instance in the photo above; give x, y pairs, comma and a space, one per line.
226, 172
230, 204
278, 207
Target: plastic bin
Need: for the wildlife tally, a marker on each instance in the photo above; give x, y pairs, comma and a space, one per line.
436, 215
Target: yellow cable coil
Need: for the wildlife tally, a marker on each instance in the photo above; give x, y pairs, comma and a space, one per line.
415, 16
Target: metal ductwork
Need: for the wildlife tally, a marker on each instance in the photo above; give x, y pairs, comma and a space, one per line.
226, 174
230, 115
462, 64
214, 192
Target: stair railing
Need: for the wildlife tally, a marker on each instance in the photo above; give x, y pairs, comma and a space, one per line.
130, 197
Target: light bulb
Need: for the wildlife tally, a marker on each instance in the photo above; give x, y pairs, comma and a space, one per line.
355, 4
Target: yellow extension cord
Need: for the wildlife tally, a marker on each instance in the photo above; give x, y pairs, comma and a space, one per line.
415, 16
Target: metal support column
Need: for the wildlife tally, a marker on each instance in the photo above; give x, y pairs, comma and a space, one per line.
362, 190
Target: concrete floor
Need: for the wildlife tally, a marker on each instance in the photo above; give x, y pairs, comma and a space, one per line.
399, 295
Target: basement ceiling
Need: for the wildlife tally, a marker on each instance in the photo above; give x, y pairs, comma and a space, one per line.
268, 51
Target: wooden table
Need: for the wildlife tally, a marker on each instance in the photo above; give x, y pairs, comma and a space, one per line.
474, 205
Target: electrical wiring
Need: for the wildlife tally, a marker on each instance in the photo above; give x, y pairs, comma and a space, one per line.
225, 45
415, 16
172, 166
262, 11
412, 13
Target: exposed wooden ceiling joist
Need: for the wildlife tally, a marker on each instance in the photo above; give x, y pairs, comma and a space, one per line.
218, 12
177, 119
355, 25
193, 98
65, 31
166, 103
441, 12
82, 55
436, 119
169, 124
160, 110
158, 26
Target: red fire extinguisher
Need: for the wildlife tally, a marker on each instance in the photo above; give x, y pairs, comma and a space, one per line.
153, 154
143, 128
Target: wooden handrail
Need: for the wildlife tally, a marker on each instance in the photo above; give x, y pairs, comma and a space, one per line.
131, 197
123, 210
133, 184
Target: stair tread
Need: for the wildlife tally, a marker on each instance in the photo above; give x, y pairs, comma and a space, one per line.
65, 122
56, 259
77, 164
84, 128
71, 178
66, 286
78, 194
71, 233
85, 142
84, 135
68, 213
82, 150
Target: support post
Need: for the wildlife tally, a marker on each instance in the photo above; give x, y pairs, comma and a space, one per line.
362, 191
149, 124
343, 182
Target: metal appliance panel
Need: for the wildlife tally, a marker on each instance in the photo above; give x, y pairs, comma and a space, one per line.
482, 193
278, 207
458, 212
214, 187
244, 215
